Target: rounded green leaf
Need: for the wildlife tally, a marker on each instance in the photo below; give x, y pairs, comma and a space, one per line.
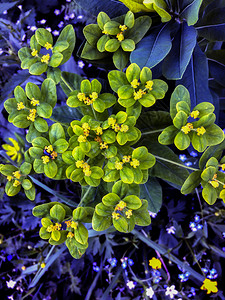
26, 184
182, 141
58, 213
60, 146
44, 110
21, 121
100, 223
43, 36
191, 182
102, 19
121, 224
56, 60
38, 68
111, 199
102, 42
32, 91
112, 27
125, 92
38, 166
40, 142
112, 45
128, 45
129, 19
81, 234
50, 169
133, 202
180, 119
97, 172
44, 234
208, 173
41, 125
56, 235
209, 194
11, 190
46, 222
103, 210
77, 175
127, 175
85, 86
56, 132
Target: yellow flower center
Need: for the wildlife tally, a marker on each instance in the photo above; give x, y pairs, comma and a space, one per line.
16, 183
120, 36
45, 58
115, 215
124, 128
74, 225
43, 265
82, 139
34, 52
32, 115
20, 106
201, 131
81, 96
123, 27
111, 121
86, 126
116, 127
87, 172
126, 159
93, 96
17, 174
98, 139
128, 213
99, 130
68, 224
118, 165
104, 146
9, 178
149, 85
194, 114
187, 128
121, 205
58, 226
45, 159
138, 95
214, 183
135, 163
134, 83
79, 163
88, 101
48, 46
155, 263
34, 102
70, 235
49, 148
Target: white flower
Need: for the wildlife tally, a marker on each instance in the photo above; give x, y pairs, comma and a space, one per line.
152, 214
11, 284
131, 285
170, 291
150, 292
171, 230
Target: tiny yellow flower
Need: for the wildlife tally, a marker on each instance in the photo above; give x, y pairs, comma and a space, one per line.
134, 83
74, 225
116, 127
68, 224
121, 205
104, 146
120, 37
155, 263
45, 159
111, 121
58, 226
123, 27
49, 148
209, 286
48, 46
82, 139
50, 228
187, 128
104, 32
79, 163
70, 235
98, 139
195, 114
87, 172
43, 265
126, 159
149, 85
23, 268
34, 52
214, 183
32, 115
93, 96
128, 213
99, 130
86, 126
201, 131
115, 215
223, 167
138, 95
20, 106
88, 101
16, 183
54, 155
135, 163
81, 96
34, 102
45, 58
9, 178
118, 165
17, 174
124, 128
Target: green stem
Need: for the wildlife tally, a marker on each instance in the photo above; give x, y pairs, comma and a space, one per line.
66, 83
151, 132
168, 255
175, 163
94, 112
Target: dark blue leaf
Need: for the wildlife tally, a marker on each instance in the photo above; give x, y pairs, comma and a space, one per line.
7, 5
190, 10
152, 192
153, 48
183, 45
195, 78
217, 71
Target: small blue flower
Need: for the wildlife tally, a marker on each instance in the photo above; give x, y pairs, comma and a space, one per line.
199, 226
9, 257
194, 154
130, 262
192, 292
57, 12
182, 157
188, 164
184, 277
197, 218
112, 261
95, 267
124, 264
205, 270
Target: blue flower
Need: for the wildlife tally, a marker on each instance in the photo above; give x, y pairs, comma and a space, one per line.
194, 154
182, 157
197, 218
130, 262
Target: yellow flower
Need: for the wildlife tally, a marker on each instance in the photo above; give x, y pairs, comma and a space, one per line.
93, 95
13, 151
105, 32
187, 128
48, 46
195, 114
126, 159
45, 58
9, 178
124, 128
86, 126
87, 172
149, 85
210, 286
118, 165
115, 215
104, 146
34, 102
134, 83
20, 106
121, 205
82, 139
70, 235
32, 115
23, 268
135, 163
128, 213
17, 174
155, 263
68, 224
99, 130
34, 52
79, 163
201, 131
54, 155
138, 95
214, 183
120, 37
223, 167
74, 225
116, 127
16, 183
88, 101
49, 148
81, 96
111, 121
58, 226
45, 159
50, 228
43, 265
123, 27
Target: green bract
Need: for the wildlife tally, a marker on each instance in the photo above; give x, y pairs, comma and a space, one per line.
117, 37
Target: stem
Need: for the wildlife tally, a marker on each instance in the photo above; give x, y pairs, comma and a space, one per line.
164, 265
151, 132
94, 112
175, 163
195, 259
67, 84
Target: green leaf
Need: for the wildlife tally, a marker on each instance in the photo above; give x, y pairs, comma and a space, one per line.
77, 175
60, 145
50, 169
182, 141
199, 142
183, 45
55, 60
117, 79
209, 194
191, 182
40, 142
48, 92
11, 190
44, 234
43, 36
38, 166
21, 121
120, 59
100, 223
91, 53
56, 132
32, 91
58, 213
121, 224
54, 74
25, 168
191, 11
96, 172
168, 135
31, 193
92, 33
111, 175
160, 7
60, 46
140, 28
44, 110
135, 5
112, 27
56, 235
208, 173
46, 222
70, 82
128, 45
214, 135
129, 19
141, 215
213, 151
67, 35
102, 42
102, 19
127, 175
26, 184
112, 45
133, 202
41, 125
152, 192
38, 68
81, 234
180, 93
180, 119
111, 199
